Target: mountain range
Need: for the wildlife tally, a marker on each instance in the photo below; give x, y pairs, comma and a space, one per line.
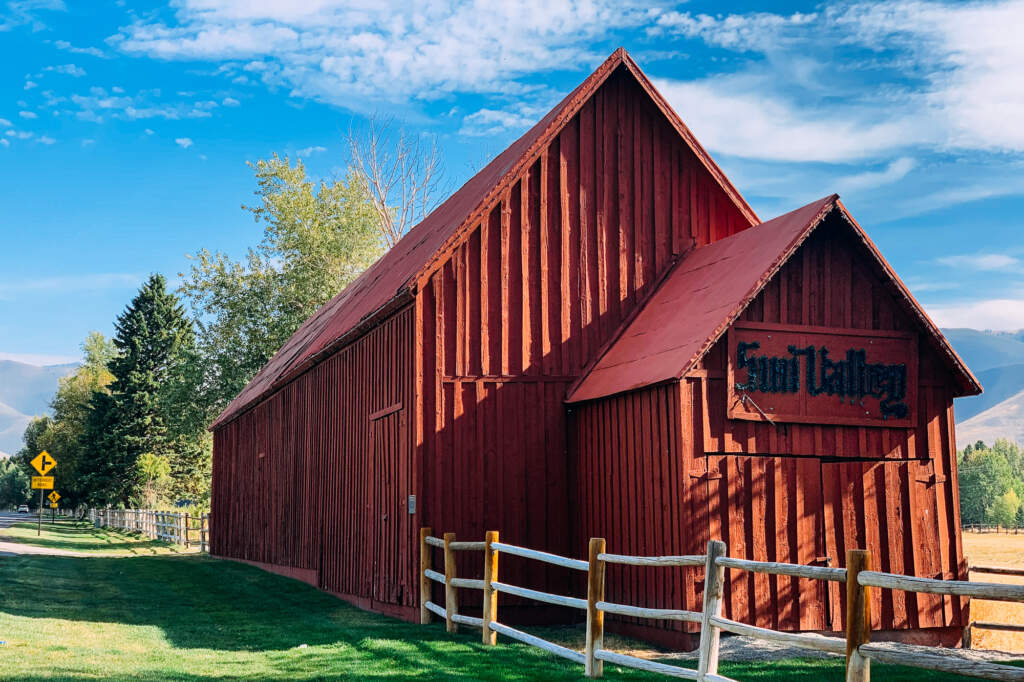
25, 391
997, 359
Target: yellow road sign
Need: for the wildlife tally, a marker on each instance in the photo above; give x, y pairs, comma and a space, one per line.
42, 482
53, 505
53, 497
43, 463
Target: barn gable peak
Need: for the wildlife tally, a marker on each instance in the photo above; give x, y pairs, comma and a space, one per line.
391, 281
709, 289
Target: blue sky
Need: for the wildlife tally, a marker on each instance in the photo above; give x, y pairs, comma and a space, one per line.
125, 127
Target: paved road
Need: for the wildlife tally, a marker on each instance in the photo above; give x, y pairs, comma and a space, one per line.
8, 519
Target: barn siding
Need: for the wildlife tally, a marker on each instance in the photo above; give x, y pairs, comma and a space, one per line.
329, 493
529, 297
738, 481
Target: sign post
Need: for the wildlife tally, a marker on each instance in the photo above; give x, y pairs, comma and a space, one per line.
42, 463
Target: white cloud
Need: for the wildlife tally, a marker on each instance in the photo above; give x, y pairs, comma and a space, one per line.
183, 142
4, 123
149, 131
19, 134
28, 114
230, 102
67, 70
980, 261
46, 139
4, 142
736, 115
1005, 314
145, 104
39, 359
491, 121
65, 45
348, 53
893, 172
30, 84
26, 13
309, 151
759, 30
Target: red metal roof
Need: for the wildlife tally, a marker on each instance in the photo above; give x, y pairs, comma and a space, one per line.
389, 282
705, 293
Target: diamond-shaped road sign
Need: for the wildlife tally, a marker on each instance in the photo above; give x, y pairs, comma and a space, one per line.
53, 497
43, 463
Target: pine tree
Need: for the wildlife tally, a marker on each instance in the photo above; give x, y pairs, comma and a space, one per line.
149, 334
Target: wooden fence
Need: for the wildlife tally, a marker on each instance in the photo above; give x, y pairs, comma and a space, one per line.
992, 528
858, 578
177, 527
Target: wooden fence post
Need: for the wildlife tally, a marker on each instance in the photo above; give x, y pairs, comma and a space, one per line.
185, 527
595, 617
451, 594
709, 634
858, 616
424, 580
204, 527
490, 610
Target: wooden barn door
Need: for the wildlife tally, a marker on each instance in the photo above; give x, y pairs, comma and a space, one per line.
771, 509
389, 524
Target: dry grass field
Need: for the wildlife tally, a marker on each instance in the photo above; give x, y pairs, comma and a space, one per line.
995, 549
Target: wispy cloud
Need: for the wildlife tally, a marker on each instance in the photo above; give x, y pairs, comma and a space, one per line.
492, 121
894, 171
28, 114
68, 47
230, 102
340, 52
183, 142
46, 139
67, 69
101, 103
39, 359
309, 151
980, 261
27, 13
1003, 314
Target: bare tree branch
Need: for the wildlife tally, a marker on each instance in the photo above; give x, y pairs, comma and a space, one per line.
403, 174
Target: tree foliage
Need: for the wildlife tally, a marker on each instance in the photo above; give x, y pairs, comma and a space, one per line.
991, 483
318, 237
14, 484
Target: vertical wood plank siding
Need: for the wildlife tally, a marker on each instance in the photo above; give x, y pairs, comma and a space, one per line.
663, 466
529, 298
312, 479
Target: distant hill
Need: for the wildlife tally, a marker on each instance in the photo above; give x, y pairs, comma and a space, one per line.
997, 359
1004, 420
983, 350
999, 383
25, 391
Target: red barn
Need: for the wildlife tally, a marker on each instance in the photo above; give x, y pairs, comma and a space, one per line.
596, 336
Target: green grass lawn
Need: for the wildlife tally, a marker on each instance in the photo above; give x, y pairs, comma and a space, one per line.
194, 618
78, 536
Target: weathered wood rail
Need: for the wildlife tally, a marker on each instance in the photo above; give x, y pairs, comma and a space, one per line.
177, 527
857, 576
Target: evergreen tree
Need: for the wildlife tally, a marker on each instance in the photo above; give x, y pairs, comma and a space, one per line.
149, 335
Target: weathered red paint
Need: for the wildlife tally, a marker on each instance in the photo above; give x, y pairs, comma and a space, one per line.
443, 373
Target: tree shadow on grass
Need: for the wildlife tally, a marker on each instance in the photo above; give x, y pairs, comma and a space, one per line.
251, 625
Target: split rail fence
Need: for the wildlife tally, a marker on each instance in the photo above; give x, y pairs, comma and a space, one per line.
856, 646
177, 527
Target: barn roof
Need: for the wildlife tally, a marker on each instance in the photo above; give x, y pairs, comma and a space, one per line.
390, 282
708, 289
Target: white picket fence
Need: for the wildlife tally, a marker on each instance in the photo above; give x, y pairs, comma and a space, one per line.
858, 578
179, 528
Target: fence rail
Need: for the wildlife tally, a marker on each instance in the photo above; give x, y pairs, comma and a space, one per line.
177, 527
857, 576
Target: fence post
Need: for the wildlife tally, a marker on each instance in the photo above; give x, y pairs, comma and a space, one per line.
709, 634
185, 528
451, 595
595, 617
490, 610
204, 525
858, 615
424, 580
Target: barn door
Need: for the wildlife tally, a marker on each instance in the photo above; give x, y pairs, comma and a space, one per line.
390, 522
771, 509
